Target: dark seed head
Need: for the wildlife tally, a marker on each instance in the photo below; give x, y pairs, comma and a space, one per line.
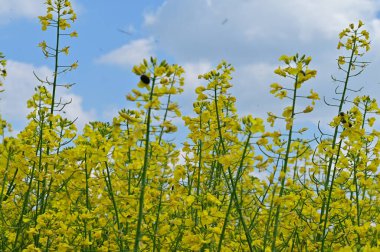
145, 79
341, 113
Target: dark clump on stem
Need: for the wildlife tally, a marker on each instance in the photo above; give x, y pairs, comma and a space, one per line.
145, 79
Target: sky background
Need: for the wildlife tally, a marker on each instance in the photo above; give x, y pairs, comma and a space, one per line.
197, 34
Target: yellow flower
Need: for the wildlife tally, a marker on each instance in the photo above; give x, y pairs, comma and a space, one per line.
275, 87
73, 34
65, 50
287, 113
255, 125
141, 84
271, 118
74, 65
282, 94
313, 95
63, 24
280, 72
341, 60
213, 199
190, 199
308, 109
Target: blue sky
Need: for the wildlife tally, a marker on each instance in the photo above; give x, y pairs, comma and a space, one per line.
197, 34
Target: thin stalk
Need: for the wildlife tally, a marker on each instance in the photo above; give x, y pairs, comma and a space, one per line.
54, 83
321, 235
199, 178
87, 196
5, 179
268, 223
144, 171
39, 205
23, 210
112, 196
232, 190
238, 174
56, 58
357, 189
157, 219
357, 202
199, 168
47, 192
166, 110
11, 186
264, 196
27, 193
159, 143
329, 197
285, 167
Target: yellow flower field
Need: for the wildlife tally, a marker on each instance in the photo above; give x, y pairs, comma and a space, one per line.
125, 186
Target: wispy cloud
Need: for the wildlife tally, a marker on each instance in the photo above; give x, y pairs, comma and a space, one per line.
129, 54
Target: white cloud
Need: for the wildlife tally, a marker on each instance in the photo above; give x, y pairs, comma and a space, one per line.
260, 72
251, 86
11, 9
192, 71
304, 19
243, 30
253, 34
20, 86
149, 18
129, 54
375, 35
110, 112
75, 111
20, 8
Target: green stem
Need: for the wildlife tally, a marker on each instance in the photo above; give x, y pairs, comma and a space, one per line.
157, 219
144, 171
88, 207
321, 235
329, 197
42, 197
112, 196
285, 167
198, 179
238, 175
23, 210
268, 223
56, 57
233, 189
5, 179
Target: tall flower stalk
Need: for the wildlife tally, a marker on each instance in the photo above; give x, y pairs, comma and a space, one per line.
356, 42
297, 70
